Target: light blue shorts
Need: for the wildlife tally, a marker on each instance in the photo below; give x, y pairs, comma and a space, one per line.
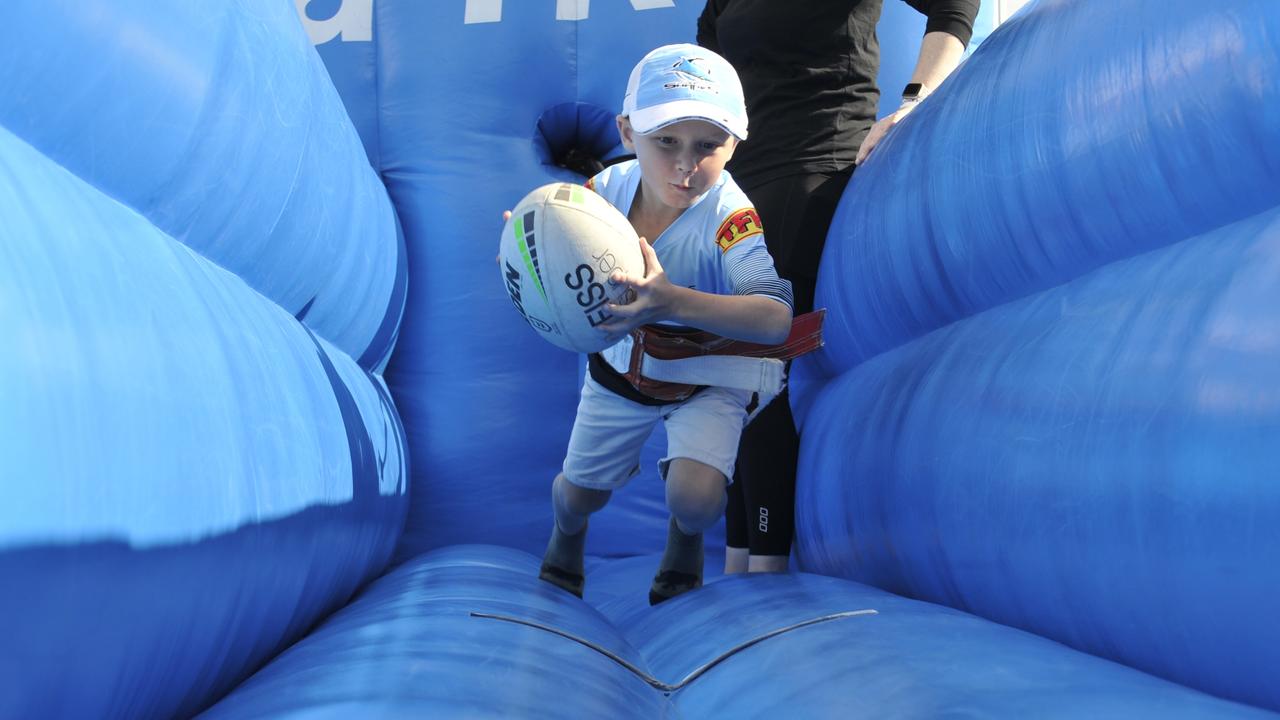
610, 431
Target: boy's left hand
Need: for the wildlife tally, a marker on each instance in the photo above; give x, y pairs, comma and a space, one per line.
653, 296
506, 215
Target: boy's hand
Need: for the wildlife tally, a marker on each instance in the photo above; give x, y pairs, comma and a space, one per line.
653, 296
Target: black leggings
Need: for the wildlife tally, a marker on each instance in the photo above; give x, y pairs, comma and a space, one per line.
796, 212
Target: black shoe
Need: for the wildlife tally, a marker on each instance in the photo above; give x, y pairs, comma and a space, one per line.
681, 568
565, 580
562, 564
670, 583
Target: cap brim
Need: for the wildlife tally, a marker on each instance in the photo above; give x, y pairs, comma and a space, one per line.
649, 119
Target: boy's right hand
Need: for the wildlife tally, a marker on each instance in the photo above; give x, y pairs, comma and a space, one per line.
653, 297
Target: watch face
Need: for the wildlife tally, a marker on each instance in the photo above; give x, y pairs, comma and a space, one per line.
913, 90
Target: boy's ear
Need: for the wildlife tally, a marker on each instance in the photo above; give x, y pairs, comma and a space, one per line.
625, 131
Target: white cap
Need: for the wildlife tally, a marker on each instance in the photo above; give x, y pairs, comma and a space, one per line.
685, 82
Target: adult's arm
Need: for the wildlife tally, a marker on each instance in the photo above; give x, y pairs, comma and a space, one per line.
953, 17
947, 32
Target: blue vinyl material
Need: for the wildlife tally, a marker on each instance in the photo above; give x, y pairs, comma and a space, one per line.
1049, 396
217, 122
1067, 142
420, 652
342, 31
488, 405
410, 646
190, 477
1097, 463
1090, 461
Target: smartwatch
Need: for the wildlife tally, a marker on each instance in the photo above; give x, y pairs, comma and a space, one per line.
914, 93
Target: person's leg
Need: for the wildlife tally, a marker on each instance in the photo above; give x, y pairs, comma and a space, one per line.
735, 531
796, 212
564, 561
604, 448
767, 470
736, 560
778, 203
695, 494
767, 563
696, 498
702, 441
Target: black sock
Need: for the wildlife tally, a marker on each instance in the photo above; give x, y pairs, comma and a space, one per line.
681, 566
562, 563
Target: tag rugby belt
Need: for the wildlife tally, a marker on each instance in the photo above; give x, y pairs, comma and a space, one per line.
671, 364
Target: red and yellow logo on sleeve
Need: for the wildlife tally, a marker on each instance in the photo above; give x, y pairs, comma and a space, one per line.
740, 225
590, 184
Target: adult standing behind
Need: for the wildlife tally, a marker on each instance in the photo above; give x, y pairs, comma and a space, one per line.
808, 71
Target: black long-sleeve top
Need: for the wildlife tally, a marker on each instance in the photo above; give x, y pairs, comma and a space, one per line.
808, 70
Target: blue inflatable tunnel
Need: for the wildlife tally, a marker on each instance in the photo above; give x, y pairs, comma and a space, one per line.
1038, 473
1080, 438
191, 476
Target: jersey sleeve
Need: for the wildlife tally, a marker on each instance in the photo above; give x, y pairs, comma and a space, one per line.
745, 258
599, 182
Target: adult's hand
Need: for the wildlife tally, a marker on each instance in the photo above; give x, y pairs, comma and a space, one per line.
879, 130
940, 53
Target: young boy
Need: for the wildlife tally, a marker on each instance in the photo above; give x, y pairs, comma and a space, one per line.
706, 267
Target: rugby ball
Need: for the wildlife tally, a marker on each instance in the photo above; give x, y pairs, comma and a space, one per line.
559, 250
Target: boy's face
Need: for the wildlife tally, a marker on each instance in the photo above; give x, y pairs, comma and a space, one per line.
679, 162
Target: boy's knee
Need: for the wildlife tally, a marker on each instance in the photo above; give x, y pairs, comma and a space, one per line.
579, 500
695, 494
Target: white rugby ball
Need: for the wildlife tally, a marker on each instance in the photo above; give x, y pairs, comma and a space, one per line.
559, 249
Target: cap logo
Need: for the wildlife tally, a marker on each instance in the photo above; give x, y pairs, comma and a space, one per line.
688, 74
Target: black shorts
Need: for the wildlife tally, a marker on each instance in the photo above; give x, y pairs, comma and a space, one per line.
796, 211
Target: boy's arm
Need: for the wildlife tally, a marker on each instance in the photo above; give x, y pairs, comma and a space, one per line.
754, 318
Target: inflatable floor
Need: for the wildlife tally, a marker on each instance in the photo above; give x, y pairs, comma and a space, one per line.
275, 444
